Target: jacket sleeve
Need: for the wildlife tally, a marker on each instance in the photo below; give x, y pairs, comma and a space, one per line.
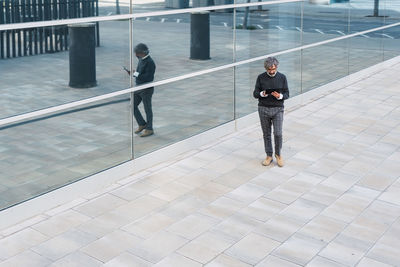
257, 88
285, 91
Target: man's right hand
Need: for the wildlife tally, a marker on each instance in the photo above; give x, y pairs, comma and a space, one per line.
128, 71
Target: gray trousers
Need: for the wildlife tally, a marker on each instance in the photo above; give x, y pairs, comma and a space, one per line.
271, 116
145, 97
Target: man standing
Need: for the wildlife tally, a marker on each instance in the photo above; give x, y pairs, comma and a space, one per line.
144, 73
271, 90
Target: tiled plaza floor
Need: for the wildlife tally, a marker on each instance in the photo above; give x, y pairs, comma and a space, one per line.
336, 202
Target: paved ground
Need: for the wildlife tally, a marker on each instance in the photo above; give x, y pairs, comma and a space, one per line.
335, 203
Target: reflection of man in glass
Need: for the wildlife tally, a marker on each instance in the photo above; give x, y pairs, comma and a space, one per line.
144, 73
271, 90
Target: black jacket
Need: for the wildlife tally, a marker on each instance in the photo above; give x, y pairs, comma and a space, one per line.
269, 84
146, 68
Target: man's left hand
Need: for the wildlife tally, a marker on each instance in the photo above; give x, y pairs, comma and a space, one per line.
276, 94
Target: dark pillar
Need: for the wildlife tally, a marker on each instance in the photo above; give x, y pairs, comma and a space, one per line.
376, 8
200, 35
82, 55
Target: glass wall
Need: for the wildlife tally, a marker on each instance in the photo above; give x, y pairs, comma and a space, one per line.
40, 81
51, 151
207, 63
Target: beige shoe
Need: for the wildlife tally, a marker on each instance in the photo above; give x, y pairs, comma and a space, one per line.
141, 128
267, 161
147, 133
279, 160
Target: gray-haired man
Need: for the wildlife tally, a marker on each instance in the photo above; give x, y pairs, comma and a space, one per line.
271, 90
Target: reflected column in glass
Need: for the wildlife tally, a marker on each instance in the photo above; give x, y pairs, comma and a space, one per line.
169, 41
33, 82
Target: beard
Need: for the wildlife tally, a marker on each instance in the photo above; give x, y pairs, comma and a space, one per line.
271, 75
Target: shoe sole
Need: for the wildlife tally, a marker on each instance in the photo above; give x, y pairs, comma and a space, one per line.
264, 164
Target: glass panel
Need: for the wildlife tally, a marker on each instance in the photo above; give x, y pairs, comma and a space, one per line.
186, 108
271, 29
391, 40
113, 7
246, 76
46, 153
159, 5
323, 22
391, 43
324, 63
365, 51
15, 11
169, 41
58, 74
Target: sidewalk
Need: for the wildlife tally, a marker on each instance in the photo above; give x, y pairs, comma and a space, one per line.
335, 203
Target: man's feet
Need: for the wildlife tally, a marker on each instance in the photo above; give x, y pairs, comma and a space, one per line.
279, 160
141, 128
267, 161
147, 133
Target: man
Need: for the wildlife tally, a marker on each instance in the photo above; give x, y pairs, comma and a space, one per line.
271, 90
144, 73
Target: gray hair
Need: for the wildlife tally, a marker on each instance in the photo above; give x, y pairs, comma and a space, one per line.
270, 61
141, 48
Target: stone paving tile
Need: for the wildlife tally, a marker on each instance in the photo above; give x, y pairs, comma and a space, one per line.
263, 209
63, 244
321, 261
279, 227
104, 224
299, 249
178, 260
110, 245
322, 228
303, 210
76, 258
385, 250
60, 223
367, 262
222, 208
100, 205
127, 259
344, 254
148, 226
347, 207
171, 191
192, 226
225, 260
140, 207
211, 191
133, 191
236, 227
157, 247
205, 247
20, 241
246, 193
26, 258
252, 248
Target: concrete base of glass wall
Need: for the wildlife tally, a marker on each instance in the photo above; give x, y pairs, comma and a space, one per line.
60, 199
